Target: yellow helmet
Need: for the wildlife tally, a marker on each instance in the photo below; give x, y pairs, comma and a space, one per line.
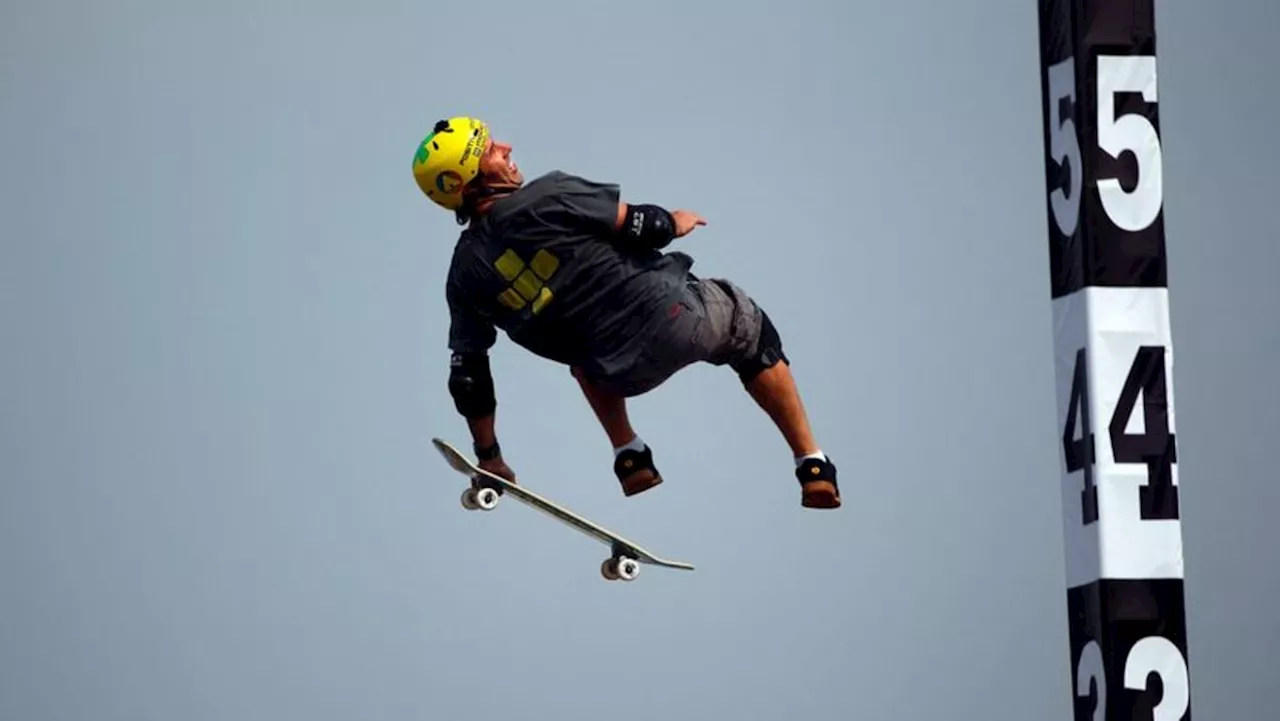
449, 158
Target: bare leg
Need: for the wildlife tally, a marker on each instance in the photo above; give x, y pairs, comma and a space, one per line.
775, 391
634, 469
610, 410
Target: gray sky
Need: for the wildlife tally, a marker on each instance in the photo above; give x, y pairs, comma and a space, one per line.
224, 353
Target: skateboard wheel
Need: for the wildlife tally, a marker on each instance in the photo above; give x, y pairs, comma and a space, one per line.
469, 500
486, 499
627, 569
608, 569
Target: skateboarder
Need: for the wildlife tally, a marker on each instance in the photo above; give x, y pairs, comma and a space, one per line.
575, 274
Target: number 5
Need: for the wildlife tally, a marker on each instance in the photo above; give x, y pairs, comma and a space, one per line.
1134, 210
1064, 145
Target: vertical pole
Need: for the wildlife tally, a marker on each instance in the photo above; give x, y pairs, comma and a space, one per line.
1114, 360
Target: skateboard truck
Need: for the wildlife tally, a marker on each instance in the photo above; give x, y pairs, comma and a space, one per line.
620, 565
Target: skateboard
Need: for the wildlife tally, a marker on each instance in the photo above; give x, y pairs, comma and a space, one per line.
486, 488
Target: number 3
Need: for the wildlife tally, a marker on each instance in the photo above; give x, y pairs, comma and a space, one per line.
1153, 654
1158, 655
1137, 209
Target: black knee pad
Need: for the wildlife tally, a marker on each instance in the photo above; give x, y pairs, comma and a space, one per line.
768, 352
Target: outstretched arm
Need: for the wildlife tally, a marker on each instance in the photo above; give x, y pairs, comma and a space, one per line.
653, 226
598, 206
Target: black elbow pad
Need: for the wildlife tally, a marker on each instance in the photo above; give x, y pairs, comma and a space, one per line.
649, 225
471, 385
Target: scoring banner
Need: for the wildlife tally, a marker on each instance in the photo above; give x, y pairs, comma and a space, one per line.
1114, 360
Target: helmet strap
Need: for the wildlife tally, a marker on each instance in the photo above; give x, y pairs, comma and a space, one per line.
484, 191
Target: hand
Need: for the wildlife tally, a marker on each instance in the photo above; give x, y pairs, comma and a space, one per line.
686, 221
498, 467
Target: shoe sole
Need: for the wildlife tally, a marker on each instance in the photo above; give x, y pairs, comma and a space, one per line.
820, 494
639, 483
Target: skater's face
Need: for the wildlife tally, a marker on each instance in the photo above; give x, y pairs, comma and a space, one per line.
497, 168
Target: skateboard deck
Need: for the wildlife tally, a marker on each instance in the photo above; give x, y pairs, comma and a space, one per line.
486, 488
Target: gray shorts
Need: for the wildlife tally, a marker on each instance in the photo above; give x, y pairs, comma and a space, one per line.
713, 322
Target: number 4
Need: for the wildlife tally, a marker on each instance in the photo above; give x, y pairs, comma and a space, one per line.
1155, 446
1079, 452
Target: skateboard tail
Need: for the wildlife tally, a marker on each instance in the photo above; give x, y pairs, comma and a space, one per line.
454, 459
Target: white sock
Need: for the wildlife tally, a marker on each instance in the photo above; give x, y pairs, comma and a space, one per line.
636, 444
818, 454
